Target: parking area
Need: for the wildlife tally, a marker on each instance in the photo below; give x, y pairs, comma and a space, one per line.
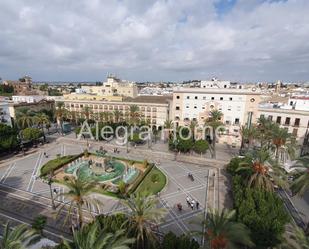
22, 174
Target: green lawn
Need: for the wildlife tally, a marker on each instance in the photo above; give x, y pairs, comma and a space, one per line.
154, 182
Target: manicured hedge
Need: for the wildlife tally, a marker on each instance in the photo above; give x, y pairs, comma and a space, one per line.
140, 178
57, 163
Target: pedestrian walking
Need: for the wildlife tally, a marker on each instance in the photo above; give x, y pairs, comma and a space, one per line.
188, 201
197, 205
192, 206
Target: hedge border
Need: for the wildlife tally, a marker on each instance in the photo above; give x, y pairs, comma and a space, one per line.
140, 178
60, 165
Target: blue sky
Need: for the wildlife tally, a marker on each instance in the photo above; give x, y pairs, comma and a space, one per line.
155, 40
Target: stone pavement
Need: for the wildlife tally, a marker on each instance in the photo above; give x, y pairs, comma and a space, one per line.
21, 175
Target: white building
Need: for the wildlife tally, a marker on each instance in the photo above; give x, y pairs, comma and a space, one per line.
112, 87
238, 106
27, 99
5, 116
215, 83
300, 103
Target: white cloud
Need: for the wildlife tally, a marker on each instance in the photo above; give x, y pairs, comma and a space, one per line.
154, 40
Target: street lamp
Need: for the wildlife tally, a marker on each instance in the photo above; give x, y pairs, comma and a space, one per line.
49, 182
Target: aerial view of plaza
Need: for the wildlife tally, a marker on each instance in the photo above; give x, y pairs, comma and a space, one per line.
154, 124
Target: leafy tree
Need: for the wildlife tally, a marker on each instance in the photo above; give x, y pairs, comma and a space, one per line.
143, 217
171, 241
263, 212
301, 181
95, 238
43, 87
184, 145
31, 134
201, 146
18, 237
8, 137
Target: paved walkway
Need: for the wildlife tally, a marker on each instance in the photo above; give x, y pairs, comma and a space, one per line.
20, 175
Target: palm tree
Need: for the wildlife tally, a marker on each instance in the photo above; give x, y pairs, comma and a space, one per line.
262, 172
24, 118
144, 216
18, 237
282, 138
192, 126
104, 116
247, 134
265, 129
294, 238
117, 115
214, 121
60, 114
134, 114
73, 116
301, 181
79, 196
168, 124
87, 112
41, 119
221, 231
95, 238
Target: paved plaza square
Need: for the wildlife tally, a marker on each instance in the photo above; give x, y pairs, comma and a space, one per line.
21, 175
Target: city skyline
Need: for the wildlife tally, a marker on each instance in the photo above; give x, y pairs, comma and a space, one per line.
235, 40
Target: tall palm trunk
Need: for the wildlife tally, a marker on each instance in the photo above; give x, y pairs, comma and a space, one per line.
80, 215
214, 144
44, 137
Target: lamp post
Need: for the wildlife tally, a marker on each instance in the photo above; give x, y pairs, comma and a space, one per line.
49, 182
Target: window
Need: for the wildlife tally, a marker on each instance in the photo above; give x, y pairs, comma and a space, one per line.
295, 132
229, 108
278, 120
195, 97
195, 107
187, 106
212, 98
194, 119
287, 121
204, 97
177, 97
270, 117
221, 98
297, 121
236, 121
262, 116
231, 98
188, 97
227, 122
224, 86
177, 108
203, 107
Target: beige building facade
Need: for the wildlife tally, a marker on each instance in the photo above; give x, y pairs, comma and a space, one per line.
113, 87
154, 110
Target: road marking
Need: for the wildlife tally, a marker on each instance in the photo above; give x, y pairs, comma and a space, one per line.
7, 172
34, 172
